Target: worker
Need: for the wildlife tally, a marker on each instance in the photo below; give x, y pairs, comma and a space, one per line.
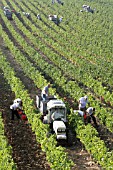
60, 19
45, 92
56, 115
18, 100
82, 103
84, 115
14, 109
90, 115
38, 17
26, 14
53, 1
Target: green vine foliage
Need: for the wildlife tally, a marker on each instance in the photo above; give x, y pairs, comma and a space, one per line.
86, 41
6, 161
89, 136
38, 127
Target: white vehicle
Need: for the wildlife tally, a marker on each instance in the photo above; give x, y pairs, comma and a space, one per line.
54, 113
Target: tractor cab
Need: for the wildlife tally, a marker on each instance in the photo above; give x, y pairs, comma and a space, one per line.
56, 117
56, 111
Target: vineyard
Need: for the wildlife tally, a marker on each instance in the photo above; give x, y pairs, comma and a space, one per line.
76, 58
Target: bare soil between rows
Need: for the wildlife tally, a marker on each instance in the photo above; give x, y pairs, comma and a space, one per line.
27, 153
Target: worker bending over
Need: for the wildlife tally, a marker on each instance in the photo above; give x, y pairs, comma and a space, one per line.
90, 115
17, 104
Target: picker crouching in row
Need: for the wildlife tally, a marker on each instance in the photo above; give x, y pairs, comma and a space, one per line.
86, 113
17, 110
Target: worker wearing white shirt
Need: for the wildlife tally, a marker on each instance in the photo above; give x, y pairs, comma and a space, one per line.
38, 16
90, 113
14, 110
82, 103
18, 100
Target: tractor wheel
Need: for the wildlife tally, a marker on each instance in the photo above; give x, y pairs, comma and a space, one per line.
71, 138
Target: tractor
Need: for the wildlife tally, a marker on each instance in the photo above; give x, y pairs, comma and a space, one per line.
54, 113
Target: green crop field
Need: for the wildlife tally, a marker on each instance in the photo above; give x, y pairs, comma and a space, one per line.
76, 57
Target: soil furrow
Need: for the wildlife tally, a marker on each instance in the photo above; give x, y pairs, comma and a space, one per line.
36, 15
102, 130
28, 88
80, 84
81, 158
27, 153
69, 77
